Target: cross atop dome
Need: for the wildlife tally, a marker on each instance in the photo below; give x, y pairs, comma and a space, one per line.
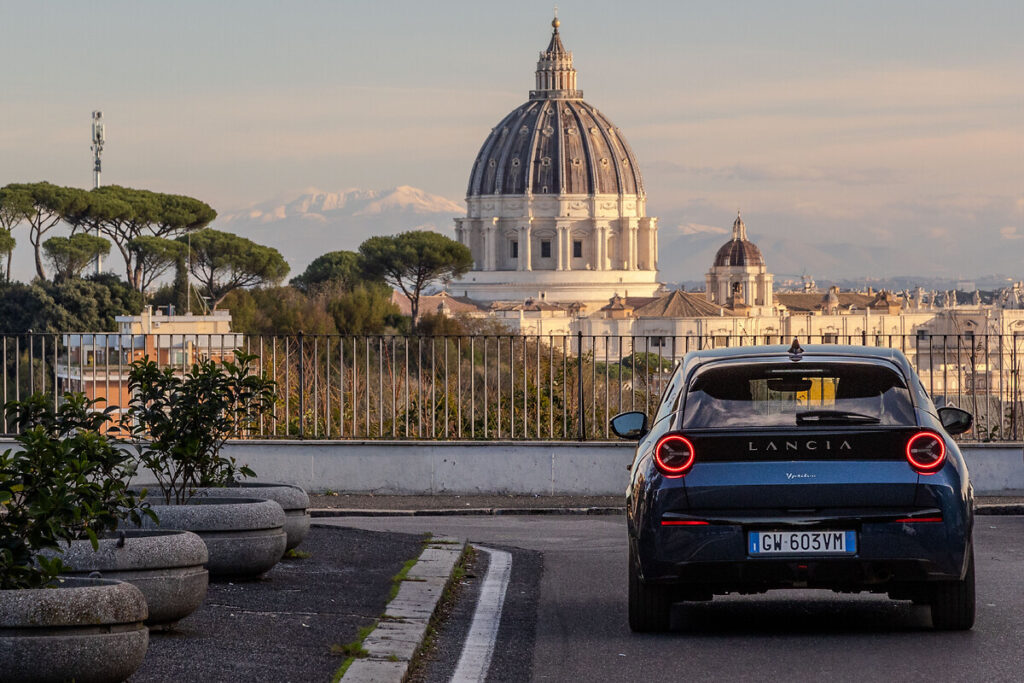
556, 77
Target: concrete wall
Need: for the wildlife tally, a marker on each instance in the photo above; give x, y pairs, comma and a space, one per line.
538, 468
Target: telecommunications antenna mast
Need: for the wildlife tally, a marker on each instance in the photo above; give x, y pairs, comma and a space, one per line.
99, 136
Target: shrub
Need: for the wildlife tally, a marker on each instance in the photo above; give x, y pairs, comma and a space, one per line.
67, 482
180, 422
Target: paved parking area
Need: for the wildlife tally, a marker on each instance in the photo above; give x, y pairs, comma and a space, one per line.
282, 627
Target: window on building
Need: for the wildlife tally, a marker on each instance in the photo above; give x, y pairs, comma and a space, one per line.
577, 249
545, 249
829, 338
515, 249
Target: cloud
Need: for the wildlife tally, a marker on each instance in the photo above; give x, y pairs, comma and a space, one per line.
700, 229
1011, 232
784, 173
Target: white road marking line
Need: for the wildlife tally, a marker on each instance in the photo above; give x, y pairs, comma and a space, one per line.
475, 661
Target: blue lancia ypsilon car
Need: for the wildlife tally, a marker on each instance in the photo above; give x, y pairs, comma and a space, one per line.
825, 467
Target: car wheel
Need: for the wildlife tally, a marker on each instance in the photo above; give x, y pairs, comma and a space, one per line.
650, 605
952, 602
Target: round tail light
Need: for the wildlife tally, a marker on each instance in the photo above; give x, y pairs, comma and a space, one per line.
926, 452
674, 455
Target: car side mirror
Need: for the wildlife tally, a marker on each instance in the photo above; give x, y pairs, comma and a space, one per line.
632, 425
954, 420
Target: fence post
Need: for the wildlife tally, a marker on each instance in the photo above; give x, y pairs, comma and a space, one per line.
302, 384
582, 432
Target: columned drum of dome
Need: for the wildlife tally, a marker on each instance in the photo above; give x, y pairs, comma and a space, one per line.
556, 207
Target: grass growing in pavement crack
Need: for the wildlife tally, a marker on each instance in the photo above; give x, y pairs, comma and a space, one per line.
397, 579
295, 554
444, 608
352, 651
355, 648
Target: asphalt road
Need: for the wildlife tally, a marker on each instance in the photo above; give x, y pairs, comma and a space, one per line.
579, 632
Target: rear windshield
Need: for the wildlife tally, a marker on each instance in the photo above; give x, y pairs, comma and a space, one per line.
788, 394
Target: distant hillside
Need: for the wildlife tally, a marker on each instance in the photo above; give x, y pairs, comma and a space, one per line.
688, 254
315, 222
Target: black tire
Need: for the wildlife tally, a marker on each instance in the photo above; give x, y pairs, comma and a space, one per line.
952, 602
650, 605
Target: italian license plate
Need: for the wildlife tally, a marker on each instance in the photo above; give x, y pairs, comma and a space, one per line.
802, 542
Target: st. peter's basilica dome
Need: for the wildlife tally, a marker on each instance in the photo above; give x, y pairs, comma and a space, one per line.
556, 207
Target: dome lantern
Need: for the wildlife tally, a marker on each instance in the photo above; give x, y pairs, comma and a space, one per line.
739, 228
556, 77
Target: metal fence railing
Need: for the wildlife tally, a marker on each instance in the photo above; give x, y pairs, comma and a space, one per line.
549, 387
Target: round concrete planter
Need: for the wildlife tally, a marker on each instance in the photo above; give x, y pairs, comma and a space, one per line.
244, 536
166, 565
292, 499
86, 630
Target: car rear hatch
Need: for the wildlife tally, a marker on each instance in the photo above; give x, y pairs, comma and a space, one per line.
802, 470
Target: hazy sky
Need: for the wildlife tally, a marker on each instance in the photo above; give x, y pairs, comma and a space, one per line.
883, 121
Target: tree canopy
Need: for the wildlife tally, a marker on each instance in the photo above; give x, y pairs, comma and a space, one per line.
365, 309
155, 256
125, 214
343, 269
77, 305
41, 205
7, 244
278, 310
69, 256
223, 262
413, 260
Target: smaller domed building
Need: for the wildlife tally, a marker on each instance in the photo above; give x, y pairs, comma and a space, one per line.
739, 279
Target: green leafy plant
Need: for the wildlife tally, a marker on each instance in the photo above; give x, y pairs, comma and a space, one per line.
66, 481
180, 422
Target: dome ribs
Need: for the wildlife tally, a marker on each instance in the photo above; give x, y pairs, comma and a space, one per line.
541, 176
482, 178
559, 158
576, 174
613, 152
505, 179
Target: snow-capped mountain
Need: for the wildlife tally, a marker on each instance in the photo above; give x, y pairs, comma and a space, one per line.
315, 222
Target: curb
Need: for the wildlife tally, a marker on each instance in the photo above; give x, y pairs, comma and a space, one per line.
458, 512
983, 509
999, 509
399, 632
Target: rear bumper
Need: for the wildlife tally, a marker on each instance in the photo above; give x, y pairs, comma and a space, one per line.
716, 558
